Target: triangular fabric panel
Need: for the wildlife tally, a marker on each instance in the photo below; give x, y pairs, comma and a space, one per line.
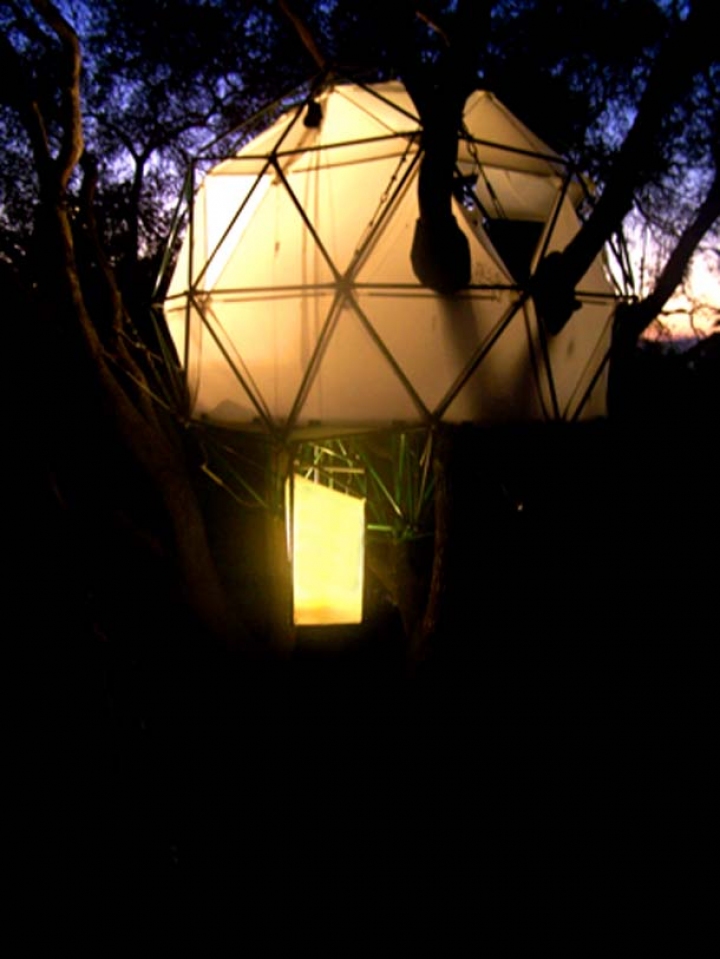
277, 249
272, 340
432, 339
504, 140
356, 384
218, 383
516, 195
389, 103
504, 386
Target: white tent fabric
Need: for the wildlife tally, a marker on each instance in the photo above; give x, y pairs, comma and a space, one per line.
294, 306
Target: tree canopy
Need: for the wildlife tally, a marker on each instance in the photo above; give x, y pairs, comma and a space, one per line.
158, 79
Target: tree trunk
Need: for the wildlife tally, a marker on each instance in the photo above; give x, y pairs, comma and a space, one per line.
125, 414
95, 379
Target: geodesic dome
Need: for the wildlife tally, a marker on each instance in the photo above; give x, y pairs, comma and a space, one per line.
294, 307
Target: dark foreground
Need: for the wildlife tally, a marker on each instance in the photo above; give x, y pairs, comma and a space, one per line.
555, 737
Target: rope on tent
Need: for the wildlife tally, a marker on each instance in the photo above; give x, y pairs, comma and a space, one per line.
472, 148
375, 218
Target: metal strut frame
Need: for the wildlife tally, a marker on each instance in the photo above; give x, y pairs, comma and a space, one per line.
390, 469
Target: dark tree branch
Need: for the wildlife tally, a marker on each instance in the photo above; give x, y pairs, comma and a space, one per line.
682, 57
87, 210
29, 26
72, 143
686, 52
119, 133
304, 34
18, 93
441, 256
636, 317
433, 26
104, 372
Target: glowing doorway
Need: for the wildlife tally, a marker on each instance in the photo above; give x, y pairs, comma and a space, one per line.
327, 544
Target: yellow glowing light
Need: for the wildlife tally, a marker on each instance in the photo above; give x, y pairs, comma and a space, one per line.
328, 544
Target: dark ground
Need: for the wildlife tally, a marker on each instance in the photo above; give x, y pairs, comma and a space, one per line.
557, 737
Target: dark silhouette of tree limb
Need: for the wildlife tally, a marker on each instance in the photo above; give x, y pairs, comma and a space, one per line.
686, 52
101, 357
633, 319
308, 40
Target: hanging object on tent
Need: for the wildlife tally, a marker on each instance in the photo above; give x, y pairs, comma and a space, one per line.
294, 306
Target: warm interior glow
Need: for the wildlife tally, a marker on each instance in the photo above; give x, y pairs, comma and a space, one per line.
295, 306
328, 546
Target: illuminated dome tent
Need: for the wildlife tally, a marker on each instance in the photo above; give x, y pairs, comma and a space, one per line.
294, 307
